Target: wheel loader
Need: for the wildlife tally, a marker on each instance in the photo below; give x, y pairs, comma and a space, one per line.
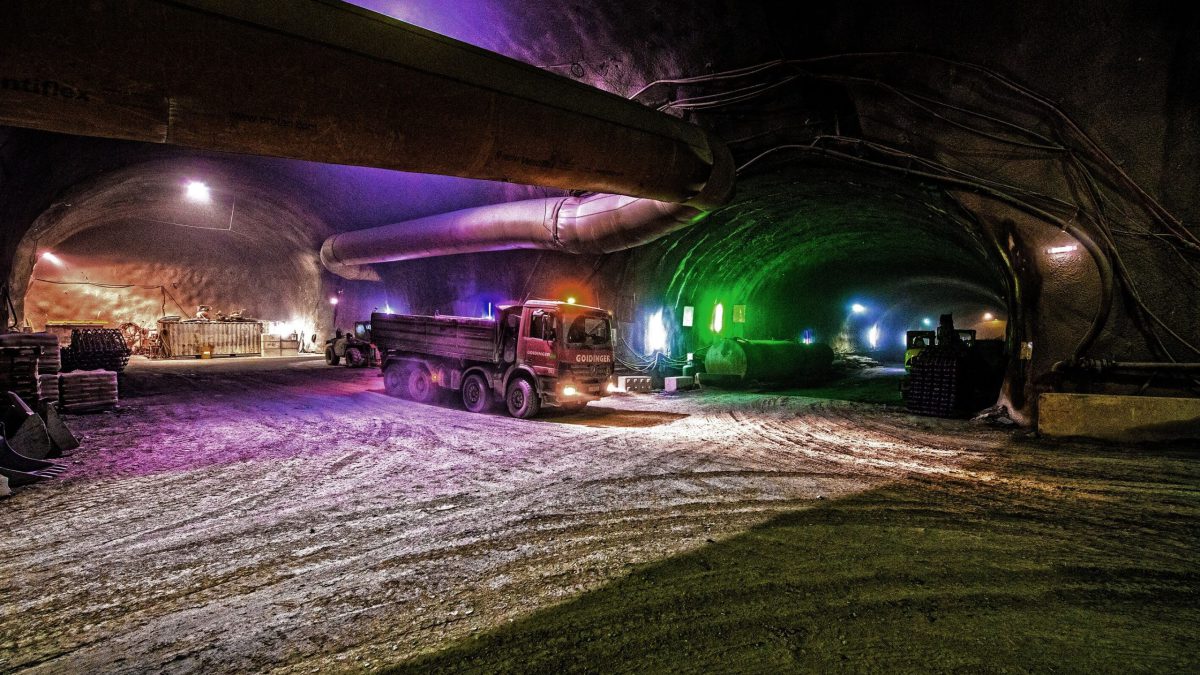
353, 349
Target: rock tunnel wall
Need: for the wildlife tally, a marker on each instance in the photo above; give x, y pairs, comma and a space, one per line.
834, 220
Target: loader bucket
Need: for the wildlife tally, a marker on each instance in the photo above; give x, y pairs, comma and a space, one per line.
21, 470
25, 431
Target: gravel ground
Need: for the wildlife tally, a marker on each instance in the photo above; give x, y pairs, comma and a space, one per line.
282, 515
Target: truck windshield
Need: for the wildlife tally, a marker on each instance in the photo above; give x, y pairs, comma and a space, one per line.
587, 330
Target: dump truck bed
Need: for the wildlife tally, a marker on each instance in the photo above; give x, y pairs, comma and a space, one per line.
454, 337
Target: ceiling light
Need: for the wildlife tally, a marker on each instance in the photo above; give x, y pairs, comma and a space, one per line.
198, 192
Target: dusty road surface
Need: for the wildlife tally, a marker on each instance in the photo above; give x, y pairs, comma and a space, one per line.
283, 515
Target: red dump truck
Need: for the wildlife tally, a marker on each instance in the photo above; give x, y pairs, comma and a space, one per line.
541, 353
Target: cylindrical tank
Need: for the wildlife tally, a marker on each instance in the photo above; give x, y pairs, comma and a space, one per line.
768, 360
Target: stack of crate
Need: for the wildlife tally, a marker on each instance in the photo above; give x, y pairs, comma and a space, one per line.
84, 390
273, 345
49, 362
19, 372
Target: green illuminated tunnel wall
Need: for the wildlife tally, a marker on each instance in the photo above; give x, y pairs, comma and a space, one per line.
799, 244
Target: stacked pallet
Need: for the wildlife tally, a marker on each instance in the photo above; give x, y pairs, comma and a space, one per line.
84, 390
48, 388
50, 361
19, 371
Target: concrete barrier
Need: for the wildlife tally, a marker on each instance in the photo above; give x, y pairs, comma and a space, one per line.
630, 383
1118, 418
679, 383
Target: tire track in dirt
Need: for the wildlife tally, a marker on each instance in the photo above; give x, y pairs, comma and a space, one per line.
332, 524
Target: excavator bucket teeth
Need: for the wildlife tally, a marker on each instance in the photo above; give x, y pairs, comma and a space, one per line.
22, 478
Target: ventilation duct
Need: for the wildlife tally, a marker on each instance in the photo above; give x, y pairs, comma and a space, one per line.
592, 224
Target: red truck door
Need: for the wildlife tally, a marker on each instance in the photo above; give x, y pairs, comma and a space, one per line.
538, 339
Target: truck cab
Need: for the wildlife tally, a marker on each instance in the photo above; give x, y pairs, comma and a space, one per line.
564, 349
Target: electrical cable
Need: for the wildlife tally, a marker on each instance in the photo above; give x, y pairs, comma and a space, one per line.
160, 287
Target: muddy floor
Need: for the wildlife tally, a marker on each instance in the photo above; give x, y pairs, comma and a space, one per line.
283, 515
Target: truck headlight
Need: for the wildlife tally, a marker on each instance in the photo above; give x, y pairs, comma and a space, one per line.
569, 390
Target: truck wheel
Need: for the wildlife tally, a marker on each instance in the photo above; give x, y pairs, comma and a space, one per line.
395, 380
420, 385
476, 395
522, 399
355, 358
330, 357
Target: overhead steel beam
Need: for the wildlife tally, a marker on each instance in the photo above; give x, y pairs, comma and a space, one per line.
325, 81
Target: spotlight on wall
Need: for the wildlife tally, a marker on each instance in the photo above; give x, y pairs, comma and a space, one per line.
52, 259
656, 333
1062, 250
873, 337
333, 301
857, 308
689, 316
571, 300
718, 318
988, 316
927, 321
197, 192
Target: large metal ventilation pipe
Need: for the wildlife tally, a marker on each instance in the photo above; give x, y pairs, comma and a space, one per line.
325, 81
594, 224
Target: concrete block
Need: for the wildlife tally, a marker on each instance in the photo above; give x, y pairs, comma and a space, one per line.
1118, 418
631, 383
679, 383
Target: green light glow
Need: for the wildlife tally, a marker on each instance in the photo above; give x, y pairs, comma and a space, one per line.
718, 318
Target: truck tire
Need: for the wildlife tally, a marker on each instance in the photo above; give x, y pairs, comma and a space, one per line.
355, 358
522, 399
476, 395
420, 386
331, 357
395, 380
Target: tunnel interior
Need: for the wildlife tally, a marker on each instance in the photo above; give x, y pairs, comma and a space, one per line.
803, 246
637, 389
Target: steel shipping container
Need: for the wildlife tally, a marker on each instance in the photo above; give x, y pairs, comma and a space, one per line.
218, 338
